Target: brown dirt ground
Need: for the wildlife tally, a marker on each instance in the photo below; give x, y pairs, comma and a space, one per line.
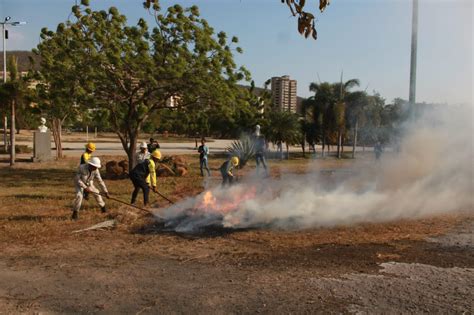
135, 268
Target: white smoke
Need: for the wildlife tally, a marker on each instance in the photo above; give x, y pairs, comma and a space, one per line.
432, 174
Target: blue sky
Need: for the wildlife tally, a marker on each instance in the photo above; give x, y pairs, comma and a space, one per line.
368, 39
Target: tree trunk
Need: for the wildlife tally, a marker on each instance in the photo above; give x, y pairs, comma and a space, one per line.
354, 140
17, 125
131, 159
12, 135
342, 142
287, 151
339, 142
5, 126
323, 146
129, 147
57, 136
303, 147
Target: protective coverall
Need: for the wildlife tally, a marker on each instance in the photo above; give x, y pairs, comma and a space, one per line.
85, 179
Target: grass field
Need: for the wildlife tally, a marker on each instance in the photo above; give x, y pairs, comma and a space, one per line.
135, 268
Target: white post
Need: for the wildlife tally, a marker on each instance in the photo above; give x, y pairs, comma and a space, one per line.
87, 133
95, 135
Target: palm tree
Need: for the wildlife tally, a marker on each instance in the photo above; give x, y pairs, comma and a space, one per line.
340, 110
281, 126
357, 103
329, 109
323, 101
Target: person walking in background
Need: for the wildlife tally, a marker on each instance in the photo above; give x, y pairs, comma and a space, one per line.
260, 147
143, 176
378, 150
227, 170
143, 154
84, 181
203, 154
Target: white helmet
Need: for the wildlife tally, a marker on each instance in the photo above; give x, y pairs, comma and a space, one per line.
43, 120
143, 145
95, 161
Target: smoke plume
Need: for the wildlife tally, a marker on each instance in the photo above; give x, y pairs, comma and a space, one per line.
431, 174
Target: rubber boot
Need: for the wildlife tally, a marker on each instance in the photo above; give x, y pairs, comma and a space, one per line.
74, 216
103, 209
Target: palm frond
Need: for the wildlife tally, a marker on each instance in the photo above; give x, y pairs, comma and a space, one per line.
244, 148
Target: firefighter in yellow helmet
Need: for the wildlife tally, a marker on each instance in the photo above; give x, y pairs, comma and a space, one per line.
143, 176
86, 156
227, 170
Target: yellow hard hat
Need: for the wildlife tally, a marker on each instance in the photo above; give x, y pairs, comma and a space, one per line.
234, 160
90, 146
156, 154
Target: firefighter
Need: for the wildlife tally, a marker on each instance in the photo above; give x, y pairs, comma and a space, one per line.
260, 147
85, 157
84, 181
144, 175
153, 145
143, 154
226, 170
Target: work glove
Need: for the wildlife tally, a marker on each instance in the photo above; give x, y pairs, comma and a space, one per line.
88, 190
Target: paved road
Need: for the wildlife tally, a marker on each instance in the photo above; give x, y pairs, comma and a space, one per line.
75, 149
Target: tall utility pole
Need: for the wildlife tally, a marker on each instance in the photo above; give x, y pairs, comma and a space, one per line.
5, 121
414, 44
12, 117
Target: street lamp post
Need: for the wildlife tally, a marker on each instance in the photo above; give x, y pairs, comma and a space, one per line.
5, 22
5, 121
414, 44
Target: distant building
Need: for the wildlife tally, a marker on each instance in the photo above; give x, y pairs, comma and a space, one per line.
284, 93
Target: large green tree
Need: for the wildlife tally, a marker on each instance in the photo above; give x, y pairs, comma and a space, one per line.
59, 91
133, 71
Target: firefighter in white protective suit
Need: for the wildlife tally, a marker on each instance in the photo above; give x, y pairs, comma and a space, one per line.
84, 181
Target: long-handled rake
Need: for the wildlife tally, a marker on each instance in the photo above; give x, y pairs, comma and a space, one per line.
125, 203
164, 197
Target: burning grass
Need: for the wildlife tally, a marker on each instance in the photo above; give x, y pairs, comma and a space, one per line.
36, 201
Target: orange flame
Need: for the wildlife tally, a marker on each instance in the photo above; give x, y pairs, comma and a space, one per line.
225, 204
